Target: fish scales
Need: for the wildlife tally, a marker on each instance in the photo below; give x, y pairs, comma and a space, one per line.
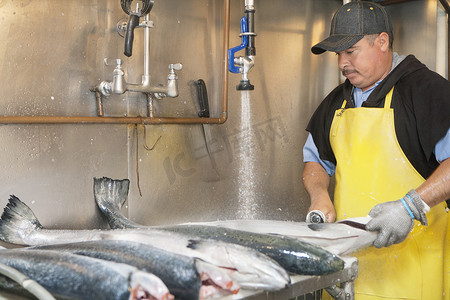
70, 276
292, 254
342, 238
178, 272
246, 267
295, 256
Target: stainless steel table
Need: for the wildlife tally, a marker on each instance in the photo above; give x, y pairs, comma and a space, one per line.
301, 285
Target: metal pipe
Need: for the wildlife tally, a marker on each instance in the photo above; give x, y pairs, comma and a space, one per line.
447, 10
99, 100
141, 120
105, 120
250, 4
250, 50
226, 42
147, 47
149, 106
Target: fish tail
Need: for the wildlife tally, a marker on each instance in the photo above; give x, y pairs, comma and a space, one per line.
110, 194
17, 217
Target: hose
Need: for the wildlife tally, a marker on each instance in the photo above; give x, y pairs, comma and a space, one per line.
29, 284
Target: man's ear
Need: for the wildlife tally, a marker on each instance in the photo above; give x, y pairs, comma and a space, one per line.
383, 41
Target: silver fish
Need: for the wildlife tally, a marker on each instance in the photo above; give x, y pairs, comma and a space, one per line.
249, 268
70, 276
294, 255
17, 284
340, 238
187, 278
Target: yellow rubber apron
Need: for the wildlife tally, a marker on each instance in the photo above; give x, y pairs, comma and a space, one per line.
371, 168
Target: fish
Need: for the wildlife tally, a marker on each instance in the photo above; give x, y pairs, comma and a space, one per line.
105, 189
185, 277
341, 238
247, 267
14, 284
71, 276
295, 256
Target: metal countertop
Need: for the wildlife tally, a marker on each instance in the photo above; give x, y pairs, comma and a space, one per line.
301, 285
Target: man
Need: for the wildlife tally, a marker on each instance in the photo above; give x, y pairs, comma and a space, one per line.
384, 133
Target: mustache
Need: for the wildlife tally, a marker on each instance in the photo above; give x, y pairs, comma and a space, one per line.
348, 71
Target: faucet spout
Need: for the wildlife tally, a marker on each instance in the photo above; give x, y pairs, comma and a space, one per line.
170, 90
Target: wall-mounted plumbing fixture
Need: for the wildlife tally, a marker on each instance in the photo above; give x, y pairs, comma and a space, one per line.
243, 64
118, 85
150, 119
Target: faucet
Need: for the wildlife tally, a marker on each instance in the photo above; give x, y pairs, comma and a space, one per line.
119, 85
243, 64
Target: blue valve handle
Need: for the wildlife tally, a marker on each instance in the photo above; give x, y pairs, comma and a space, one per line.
231, 52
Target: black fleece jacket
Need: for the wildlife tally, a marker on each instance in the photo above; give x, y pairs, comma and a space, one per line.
421, 103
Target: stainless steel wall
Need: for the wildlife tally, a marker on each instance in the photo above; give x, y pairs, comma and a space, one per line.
51, 54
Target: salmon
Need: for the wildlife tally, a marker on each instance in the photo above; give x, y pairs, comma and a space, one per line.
71, 276
187, 278
296, 256
247, 267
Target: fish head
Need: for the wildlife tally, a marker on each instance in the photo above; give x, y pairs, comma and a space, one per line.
248, 267
147, 286
333, 262
215, 281
252, 269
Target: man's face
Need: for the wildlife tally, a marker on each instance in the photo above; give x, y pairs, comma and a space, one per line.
364, 64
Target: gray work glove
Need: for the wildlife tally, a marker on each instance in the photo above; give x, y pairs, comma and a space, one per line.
394, 220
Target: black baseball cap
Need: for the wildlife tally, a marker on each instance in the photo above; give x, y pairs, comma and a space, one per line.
351, 23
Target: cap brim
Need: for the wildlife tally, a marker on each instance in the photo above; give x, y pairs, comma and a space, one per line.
336, 43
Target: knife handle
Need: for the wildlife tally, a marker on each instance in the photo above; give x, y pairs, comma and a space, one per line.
202, 95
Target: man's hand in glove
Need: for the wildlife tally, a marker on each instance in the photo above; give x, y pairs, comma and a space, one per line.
394, 220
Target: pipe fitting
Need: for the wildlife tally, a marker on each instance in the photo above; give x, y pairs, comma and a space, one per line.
104, 88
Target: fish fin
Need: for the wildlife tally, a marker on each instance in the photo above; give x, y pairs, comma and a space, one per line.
317, 226
194, 244
110, 195
17, 217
